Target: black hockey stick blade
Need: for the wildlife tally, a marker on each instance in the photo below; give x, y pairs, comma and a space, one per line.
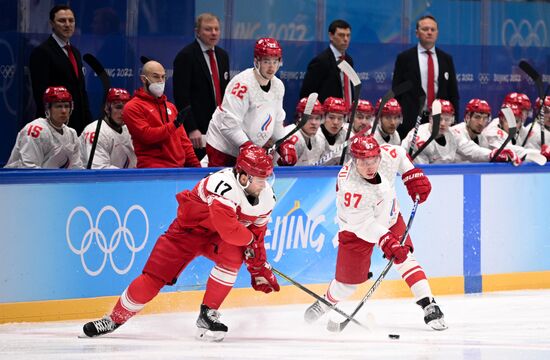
436, 120
511, 120
338, 327
421, 102
311, 99
144, 59
530, 71
320, 298
354, 78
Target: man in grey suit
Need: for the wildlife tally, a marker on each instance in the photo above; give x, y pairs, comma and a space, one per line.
432, 74
56, 62
201, 74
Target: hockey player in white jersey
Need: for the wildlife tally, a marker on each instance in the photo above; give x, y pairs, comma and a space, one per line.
523, 102
368, 215
49, 142
308, 141
534, 141
334, 128
472, 144
223, 218
114, 149
443, 149
497, 132
252, 110
390, 118
364, 117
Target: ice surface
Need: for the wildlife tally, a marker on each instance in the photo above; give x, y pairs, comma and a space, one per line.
505, 325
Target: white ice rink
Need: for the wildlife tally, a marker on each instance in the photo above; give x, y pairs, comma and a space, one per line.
506, 325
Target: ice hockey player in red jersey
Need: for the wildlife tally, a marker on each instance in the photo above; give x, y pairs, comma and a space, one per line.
368, 214
223, 218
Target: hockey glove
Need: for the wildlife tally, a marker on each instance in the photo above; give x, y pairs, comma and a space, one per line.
183, 114
263, 279
417, 183
287, 151
545, 150
392, 248
505, 156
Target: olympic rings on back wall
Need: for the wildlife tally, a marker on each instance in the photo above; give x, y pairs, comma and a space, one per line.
95, 235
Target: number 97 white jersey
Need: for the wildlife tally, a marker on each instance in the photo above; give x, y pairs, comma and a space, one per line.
369, 210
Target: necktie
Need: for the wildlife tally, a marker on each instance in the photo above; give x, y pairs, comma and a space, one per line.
215, 76
430, 84
347, 97
72, 59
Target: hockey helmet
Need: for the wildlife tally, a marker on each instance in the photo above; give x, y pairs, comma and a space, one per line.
267, 47
447, 107
546, 103
118, 95
391, 108
515, 109
519, 99
255, 161
317, 107
335, 105
55, 94
364, 106
478, 106
364, 146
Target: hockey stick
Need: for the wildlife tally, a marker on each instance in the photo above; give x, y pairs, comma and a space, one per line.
436, 119
511, 120
311, 99
417, 124
106, 83
352, 75
320, 298
337, 327
537, 79
399, 89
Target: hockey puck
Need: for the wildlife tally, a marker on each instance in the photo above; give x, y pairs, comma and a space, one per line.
394, 336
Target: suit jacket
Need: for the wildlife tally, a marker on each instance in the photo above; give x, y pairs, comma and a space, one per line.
49, 66
323, 76
193, 84
407, 68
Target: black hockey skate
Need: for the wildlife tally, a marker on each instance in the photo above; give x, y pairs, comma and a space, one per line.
99, 327
433, 316
315, 312
209, 328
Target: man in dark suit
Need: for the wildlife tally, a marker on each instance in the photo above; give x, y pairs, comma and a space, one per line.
432, 75
323, 75
56, 62
196, 81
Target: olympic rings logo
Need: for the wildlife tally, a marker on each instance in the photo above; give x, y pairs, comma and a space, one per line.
95, 235
379, 76
7, 71
524, 34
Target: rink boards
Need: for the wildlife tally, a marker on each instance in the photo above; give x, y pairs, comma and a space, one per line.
73, 240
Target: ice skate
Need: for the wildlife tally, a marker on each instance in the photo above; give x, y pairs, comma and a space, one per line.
315, 311
99, 327
433, 316
209, 328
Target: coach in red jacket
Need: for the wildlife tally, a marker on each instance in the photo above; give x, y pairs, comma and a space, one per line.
159, 139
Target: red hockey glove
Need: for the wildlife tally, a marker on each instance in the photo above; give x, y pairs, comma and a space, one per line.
263, 279
287, 151
417, 183
505, 156
246, 145
545, 150
391, 248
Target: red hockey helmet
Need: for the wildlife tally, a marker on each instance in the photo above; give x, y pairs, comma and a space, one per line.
317, 107
364, 146
391, 108
118, 95
519, 99
255, 161
478, 106
364, 106
55, 94
335, 105
538, 102
447, 107
515, 109
267, 47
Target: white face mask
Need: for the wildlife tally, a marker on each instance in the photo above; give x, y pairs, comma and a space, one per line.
157, 89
